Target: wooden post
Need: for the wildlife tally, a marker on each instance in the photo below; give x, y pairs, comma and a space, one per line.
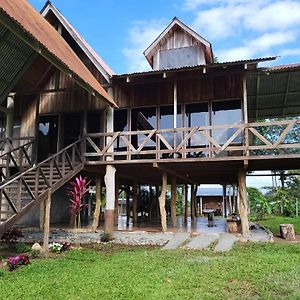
193, 200
243, 202
134, 203
173, 200
186, 192
162, 202
98, 203
47, 221
116, 212
127, 205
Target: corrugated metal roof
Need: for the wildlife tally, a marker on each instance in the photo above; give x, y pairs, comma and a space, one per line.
90, 52
215, 65
32, 23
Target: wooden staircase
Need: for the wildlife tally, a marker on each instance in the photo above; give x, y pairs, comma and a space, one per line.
29, 187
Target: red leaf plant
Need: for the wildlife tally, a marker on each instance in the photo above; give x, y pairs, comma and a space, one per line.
78, 189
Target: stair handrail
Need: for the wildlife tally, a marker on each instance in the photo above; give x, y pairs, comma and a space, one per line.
36, 166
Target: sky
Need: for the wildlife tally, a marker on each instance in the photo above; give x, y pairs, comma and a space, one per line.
120, 30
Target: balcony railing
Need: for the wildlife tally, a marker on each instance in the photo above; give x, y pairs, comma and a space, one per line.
280, 138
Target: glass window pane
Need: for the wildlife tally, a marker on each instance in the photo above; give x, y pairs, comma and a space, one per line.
226, 112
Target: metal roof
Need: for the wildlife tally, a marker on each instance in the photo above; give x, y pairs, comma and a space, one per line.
274, 92
22, 19
98, 62
191, 68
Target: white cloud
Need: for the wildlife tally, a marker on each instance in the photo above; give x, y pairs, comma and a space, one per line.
141, 35
257, 47
279, 15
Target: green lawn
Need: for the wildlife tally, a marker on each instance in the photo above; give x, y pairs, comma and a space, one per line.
273, 222
250, 271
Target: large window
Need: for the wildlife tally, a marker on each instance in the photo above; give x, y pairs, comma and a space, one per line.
226, 112
196, 115
120, 124
143, 119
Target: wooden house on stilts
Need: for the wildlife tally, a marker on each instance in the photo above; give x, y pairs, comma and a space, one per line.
189, 121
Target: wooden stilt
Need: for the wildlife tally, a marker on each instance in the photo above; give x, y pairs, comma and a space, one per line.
243, 202
98, 203
186, 188
162, 202
116, 213
193, 198
47, 221
173, 200
127, 205
134, 202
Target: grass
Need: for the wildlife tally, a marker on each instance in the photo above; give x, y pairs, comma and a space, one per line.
273, 222
249, 271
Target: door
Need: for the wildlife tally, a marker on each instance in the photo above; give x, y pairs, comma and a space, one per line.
47, 136
72, 128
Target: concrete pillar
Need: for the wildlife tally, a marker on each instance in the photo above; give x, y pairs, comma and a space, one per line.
109, 179
243, 202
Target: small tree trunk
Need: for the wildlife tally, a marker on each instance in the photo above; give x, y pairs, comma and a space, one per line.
98, 203
173, 200
162, 203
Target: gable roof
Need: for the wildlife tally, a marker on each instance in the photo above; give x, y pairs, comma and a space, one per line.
98, 62
176, 22
22, 19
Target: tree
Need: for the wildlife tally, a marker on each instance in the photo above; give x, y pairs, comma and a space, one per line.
259, 204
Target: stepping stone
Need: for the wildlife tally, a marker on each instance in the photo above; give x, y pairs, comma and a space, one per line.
176, 240
202, 241
226, 242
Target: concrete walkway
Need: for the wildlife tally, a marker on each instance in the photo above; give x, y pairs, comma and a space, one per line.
226, 242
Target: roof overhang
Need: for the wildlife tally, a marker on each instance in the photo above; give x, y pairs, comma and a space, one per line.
97, 61
30, 27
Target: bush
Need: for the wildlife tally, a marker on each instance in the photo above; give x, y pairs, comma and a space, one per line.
1, 272
59, 247
106, 237
14, 262
22, 248
11, 236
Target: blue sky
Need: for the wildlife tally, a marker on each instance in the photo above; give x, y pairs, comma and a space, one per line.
120, 30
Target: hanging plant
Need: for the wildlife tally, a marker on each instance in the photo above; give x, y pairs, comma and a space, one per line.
77, 191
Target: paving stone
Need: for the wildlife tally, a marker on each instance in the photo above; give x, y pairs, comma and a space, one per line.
226, 242
202, 241
177, 240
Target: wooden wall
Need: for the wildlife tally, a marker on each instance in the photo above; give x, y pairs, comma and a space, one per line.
188, 91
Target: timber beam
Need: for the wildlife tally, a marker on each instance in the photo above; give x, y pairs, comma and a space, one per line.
174, 173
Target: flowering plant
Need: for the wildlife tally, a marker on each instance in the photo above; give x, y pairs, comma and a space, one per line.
59, 247
14, 262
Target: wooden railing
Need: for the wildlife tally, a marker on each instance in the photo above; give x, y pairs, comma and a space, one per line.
236, 140
28, 188
17, 153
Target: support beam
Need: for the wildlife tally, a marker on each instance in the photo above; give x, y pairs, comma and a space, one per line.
243, 202
134, 202
162, 202
47, 221
116, 212
97, 211
176, 174
10, 116
186, 192
173, 200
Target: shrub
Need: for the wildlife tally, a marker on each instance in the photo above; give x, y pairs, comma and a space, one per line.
22, 248
106, 237
59, 247
14, 262
1, 273
11, 236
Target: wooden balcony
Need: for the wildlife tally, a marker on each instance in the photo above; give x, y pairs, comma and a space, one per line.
252, 141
